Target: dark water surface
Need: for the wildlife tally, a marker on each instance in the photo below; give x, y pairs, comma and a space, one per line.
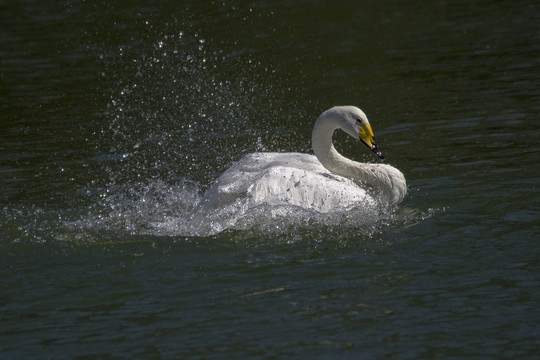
116, 116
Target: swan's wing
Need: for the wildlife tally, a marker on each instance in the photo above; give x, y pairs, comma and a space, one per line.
251, 167
311, 190
283, 179
233, 184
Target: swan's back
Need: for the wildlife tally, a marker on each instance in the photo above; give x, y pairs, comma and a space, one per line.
284, 179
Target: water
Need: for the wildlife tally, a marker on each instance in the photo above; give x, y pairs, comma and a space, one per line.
116, 117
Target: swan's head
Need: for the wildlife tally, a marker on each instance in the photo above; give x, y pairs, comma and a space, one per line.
356, 124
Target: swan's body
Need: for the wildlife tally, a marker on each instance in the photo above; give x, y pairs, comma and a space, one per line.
323, 183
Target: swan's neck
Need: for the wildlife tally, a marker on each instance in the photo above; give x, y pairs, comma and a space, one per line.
332, 160
385, 179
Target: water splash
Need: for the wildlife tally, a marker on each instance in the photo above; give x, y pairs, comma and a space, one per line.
186, 106
159, 209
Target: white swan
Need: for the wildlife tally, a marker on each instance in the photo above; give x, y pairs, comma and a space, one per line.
323, 183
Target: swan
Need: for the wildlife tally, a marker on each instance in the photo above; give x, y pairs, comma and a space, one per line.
324, 182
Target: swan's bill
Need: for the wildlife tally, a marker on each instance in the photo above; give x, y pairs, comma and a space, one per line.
376, 150
366, 136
